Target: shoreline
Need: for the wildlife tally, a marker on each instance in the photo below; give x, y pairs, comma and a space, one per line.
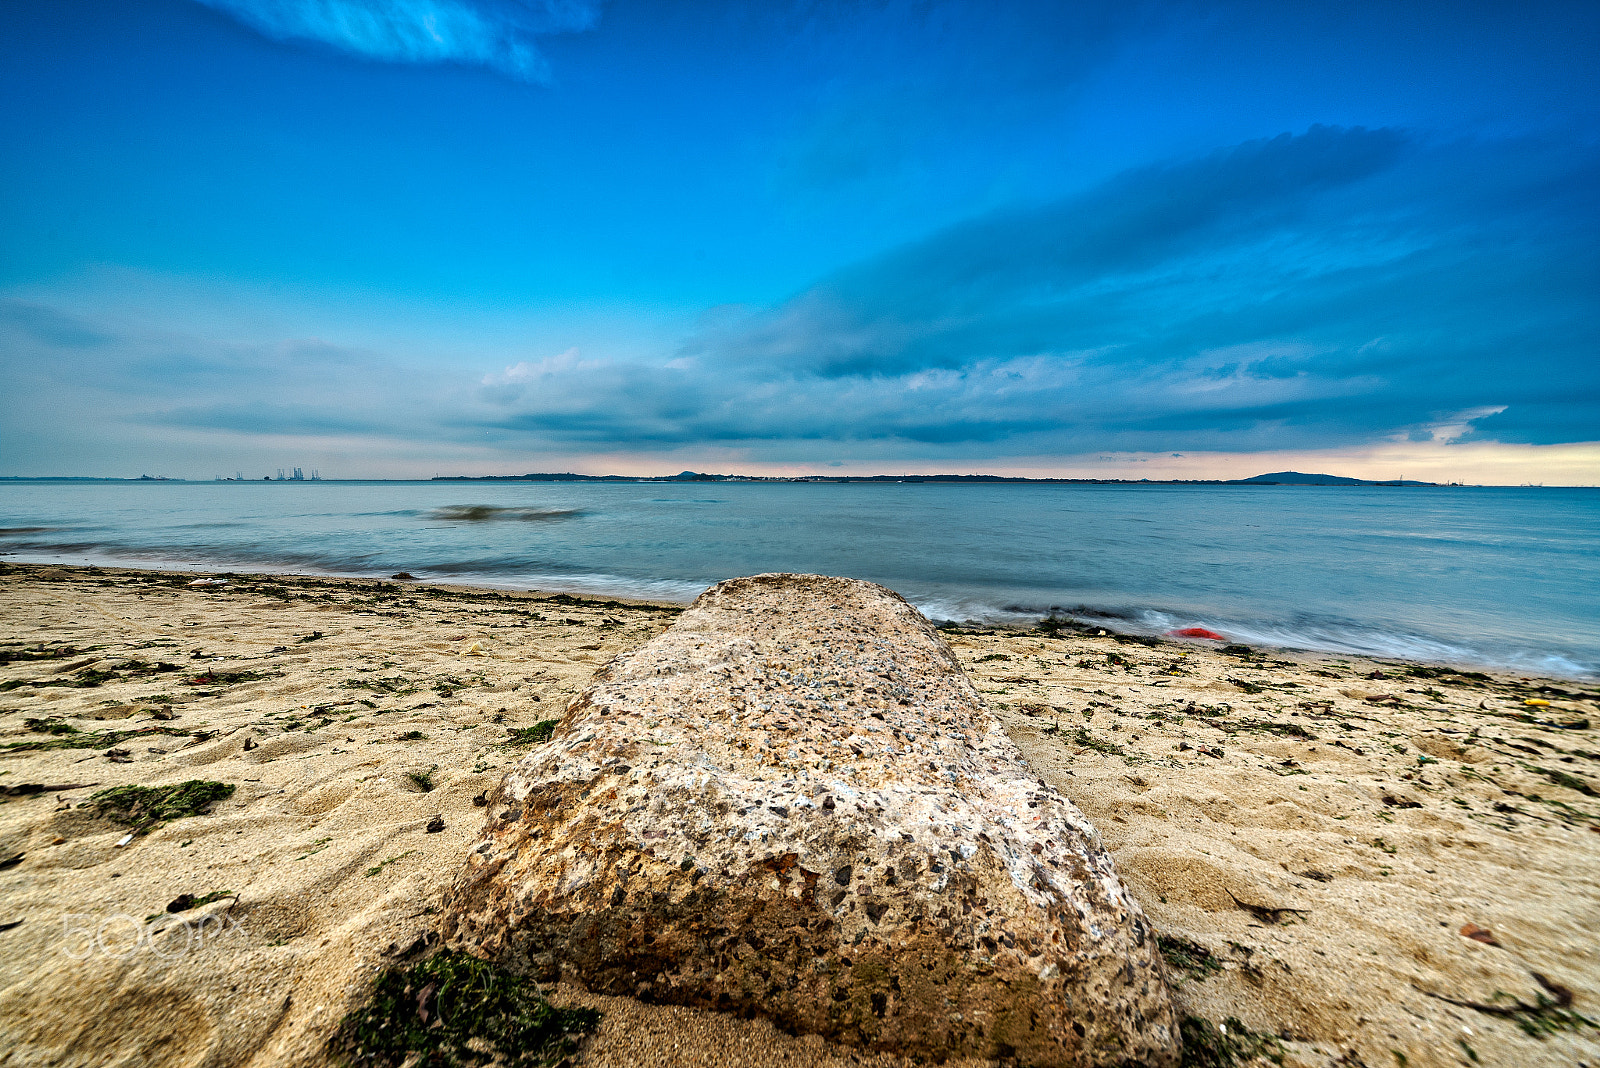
1311, 841
1006, 618
254, 568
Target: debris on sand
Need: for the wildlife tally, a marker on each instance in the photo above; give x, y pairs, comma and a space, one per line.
454, 1009
143, 807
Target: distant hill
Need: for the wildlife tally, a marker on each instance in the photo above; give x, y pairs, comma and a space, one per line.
1300, 478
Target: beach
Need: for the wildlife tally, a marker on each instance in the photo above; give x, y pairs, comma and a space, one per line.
1349, 860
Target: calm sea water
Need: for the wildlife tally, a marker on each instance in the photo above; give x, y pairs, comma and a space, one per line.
1490, 576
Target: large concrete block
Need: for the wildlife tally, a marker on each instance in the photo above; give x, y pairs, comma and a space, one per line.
794, 804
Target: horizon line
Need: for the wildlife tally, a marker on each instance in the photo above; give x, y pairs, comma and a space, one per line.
943, 478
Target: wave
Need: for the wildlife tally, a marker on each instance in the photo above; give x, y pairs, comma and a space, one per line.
597, 584
1320, 636
513, 574
187, 558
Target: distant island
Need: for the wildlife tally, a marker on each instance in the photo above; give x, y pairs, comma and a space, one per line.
1300, 478
1276, 478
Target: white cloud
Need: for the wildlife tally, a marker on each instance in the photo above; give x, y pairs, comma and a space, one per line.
1459, 425
523, 372
498, 34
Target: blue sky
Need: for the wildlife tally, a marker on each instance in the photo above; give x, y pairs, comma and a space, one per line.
401, 237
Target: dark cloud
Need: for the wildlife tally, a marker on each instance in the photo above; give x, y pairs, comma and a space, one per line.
1301, 291
1062, 276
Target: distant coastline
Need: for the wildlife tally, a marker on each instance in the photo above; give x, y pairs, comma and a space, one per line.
1276, 478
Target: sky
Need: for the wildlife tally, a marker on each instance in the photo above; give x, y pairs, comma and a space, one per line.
399, 238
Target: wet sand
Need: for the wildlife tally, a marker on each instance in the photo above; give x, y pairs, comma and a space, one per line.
1310, 834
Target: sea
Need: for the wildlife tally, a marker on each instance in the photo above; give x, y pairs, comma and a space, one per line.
1498, 577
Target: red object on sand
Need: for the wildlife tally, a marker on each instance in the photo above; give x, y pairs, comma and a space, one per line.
1197, 632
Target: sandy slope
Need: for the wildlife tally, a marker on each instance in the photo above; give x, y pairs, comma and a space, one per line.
1231, 789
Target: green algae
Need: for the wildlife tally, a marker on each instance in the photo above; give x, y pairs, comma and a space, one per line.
456, 1010
144, 807
539, 732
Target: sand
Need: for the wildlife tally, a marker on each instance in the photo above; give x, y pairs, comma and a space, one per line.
1311, 841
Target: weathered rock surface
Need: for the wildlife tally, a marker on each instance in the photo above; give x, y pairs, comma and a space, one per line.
794, 804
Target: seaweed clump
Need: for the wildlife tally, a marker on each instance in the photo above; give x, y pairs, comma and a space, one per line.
1206, 1045
143, 807
1544, 1017
50, 726
1088, 741
539, 732
72, 738
454, 1010
1190, 957
38, 652
1561, 778
1051, 626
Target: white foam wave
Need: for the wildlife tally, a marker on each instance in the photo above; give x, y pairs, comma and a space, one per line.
1343, 639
